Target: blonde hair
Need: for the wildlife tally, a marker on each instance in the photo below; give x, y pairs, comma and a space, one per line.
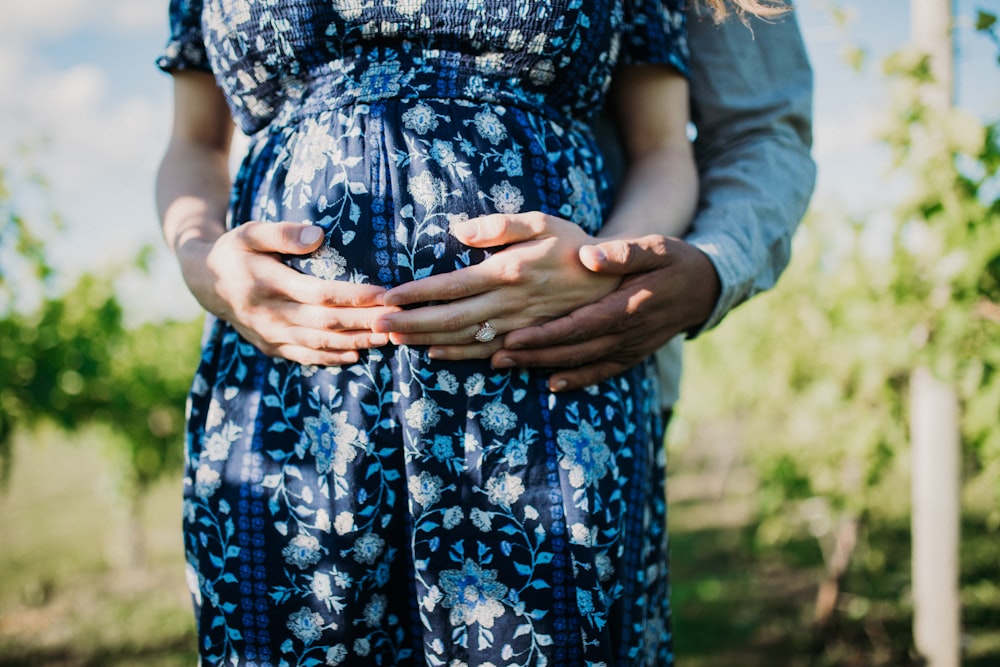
762, 8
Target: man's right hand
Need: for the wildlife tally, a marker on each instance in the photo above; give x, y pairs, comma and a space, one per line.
670, 286
240, 278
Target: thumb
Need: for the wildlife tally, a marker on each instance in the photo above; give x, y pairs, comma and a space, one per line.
285, 238
626, 256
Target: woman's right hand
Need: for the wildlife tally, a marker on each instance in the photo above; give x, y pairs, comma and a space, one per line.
240, 278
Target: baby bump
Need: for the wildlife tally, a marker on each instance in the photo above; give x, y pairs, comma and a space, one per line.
385, 182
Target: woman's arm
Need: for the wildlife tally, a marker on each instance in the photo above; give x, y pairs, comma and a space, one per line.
660, 192
539, 276
238, 275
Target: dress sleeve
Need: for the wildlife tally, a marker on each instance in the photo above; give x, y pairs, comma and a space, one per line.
185, 50
656, 32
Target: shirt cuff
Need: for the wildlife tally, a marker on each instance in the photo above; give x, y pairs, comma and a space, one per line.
732, 266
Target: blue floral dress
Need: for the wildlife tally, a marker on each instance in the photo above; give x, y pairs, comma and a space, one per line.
404, 511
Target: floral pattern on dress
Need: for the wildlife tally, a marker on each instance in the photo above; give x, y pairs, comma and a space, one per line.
402, 510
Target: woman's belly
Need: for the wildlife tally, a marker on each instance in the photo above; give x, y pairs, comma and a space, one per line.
385, 181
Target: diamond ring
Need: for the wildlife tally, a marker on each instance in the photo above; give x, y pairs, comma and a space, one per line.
486, 333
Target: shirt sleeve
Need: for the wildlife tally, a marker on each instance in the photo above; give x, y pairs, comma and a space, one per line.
656, 32
751, 90
185, 49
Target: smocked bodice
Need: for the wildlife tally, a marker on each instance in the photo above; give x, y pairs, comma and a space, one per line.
270, 56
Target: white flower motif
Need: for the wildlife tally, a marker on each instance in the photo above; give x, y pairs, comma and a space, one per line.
481, 520
425, 488
332, 440
506, 197
362, 646
453, 516
336, 654
349, 9
504, 489
368, 548
427, 190
602, 563
375, 610
429, 602
580, 534
473, 595
323, 520
314, 149
490, 127
326, 263
344, 523
321, 586
193, 580
409, 7
420, 118
475, 384
497, 417
585, 454
302, 551
215, 414
306, 624
423, 414
447, 381
443, 153
217, 445
206, 481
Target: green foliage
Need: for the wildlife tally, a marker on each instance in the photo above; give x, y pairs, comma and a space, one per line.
71, 361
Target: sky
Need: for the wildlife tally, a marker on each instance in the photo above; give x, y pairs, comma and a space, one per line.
85, 104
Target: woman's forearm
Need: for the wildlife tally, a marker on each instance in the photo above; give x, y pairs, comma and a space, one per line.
192, 193
659, 195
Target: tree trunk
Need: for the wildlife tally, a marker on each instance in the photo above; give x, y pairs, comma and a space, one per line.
935, 520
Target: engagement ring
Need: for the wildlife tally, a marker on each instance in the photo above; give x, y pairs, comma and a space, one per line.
486, 333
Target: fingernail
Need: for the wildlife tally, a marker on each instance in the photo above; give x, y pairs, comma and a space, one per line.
310, 235
378, 339
504, 362
558, 385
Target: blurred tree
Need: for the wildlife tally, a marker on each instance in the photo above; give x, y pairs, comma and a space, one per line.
68, 359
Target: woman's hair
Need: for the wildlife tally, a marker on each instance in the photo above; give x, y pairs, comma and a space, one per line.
763, 8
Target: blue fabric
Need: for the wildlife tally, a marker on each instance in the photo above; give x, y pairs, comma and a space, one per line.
404, 511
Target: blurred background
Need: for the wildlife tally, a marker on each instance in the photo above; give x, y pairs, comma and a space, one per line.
792, 481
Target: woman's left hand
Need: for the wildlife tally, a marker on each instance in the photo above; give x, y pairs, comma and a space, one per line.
536, 278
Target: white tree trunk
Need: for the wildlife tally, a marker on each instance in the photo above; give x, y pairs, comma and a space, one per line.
935, 521
934, 422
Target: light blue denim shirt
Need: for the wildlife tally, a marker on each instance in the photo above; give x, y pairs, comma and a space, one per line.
751, 102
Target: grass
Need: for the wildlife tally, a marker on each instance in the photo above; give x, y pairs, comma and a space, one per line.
69, 599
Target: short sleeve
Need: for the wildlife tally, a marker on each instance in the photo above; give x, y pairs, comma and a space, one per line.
656, 33
185, 50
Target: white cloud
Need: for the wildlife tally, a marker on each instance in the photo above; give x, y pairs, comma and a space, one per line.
23, 20
132, 14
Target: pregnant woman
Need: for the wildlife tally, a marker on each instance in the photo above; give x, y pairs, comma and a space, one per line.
373, 505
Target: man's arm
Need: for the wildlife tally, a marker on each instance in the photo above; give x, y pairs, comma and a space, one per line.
751, 90
752, 105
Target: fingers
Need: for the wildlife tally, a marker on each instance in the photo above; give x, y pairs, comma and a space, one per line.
286, 238
501, 229
589, 322
443, 287
559, 356
622, 257
463, 352
584, 376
